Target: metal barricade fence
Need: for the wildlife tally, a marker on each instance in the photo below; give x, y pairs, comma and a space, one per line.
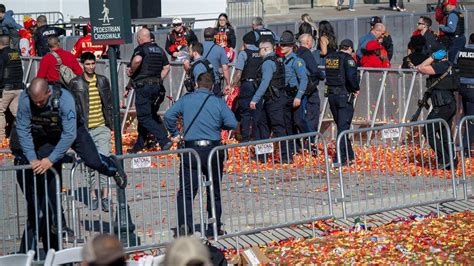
151, 215
45, 230
466, 154
241, 12
260, 191
395, 167
52, 17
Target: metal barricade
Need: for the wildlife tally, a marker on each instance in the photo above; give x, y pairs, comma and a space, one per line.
151, 217
395, 167
466, 154
54, 17
43, 233
241, 12
260, 191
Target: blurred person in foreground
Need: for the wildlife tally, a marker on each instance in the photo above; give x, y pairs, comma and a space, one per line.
103, 250
187, 251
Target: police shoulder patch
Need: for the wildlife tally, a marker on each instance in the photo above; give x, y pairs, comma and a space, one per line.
300, 64
351, 62
71, 115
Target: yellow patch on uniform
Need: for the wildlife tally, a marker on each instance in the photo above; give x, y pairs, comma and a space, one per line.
300, 64
15, 56
332, 63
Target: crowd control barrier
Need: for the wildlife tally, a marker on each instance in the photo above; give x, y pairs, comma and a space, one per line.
466, 154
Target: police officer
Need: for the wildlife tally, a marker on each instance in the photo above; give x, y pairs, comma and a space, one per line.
42, 33
149, 67
263, 34
11, 81
48, 125
453, 32
465, 65
218, 58
246, 68
342, 86
311, 101
198, 66
296, 80
277, 104
204, 115
442, 85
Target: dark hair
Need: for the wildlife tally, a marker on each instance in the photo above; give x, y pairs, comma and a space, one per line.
306, 28
205, 80
42, 19
2, 8
227, 20
417, 43
118, 262
471, 38
53, 41
87, 56
326, 29
427, 21
197, 47
209, 34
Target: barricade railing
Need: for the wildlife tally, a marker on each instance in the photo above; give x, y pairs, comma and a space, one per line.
151, 216
54, 17
466, 154
395, 166
44, 230
241, 12
269, 184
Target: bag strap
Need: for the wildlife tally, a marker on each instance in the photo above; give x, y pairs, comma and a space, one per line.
208, 52
440, 78
197, 114
60, 62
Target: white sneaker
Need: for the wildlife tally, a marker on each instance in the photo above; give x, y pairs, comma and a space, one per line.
394, 8
351, 9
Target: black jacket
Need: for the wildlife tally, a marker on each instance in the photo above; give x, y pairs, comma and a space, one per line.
80, 87
41, 38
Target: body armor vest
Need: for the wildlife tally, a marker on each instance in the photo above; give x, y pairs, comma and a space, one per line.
264, 35
335, 71
46, 122
465, 63
152, 63
13, 71
278, 78
252, 65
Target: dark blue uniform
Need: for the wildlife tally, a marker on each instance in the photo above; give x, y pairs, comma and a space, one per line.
342, 80
203, 135
311, 103
296, 79
252, 125
148, 89
465, 63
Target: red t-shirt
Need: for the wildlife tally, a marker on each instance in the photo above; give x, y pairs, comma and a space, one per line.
84, 44
373, 61
49, 68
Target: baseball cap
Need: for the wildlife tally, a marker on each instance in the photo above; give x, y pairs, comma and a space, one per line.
177, 20
374, 20
450, 2
347, 43
249, 38
186, 250
102, 249
287, 37
373, 45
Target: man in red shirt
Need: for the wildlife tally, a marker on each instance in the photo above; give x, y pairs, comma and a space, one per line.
49, 68
84, 44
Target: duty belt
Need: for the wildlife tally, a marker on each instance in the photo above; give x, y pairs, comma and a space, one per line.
147, 81
335, 89
201, 143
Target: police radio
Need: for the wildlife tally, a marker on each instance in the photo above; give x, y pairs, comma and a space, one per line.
189, 84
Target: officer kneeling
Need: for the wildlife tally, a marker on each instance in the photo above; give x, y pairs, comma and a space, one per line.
441, 83
204, 116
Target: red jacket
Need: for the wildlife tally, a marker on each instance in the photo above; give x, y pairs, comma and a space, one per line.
27, 43
49, 69
373, 61
84, 44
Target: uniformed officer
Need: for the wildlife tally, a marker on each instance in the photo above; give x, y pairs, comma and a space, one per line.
149, 67
277, 104
453, 32
204, 116
442, 85
465, 65
218, 58
48, 125
263, 34
245, 75
342, 83
311, 101
296, 81
11, 81
42, 33
198, 66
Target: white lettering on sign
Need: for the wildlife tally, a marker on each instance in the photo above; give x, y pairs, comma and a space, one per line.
390, 133
141, 162
263, 148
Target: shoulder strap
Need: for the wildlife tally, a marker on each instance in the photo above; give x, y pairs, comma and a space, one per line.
60, 62
197, 114
440, 78
208, 52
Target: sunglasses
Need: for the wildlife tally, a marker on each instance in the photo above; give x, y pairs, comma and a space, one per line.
177, 24
420, 23
286, 45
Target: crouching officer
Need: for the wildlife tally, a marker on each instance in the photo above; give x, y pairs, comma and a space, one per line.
441, 85
296, 81
272, 88
204, 116
149, 67
342, 86
248, 62
465, 66
198, 66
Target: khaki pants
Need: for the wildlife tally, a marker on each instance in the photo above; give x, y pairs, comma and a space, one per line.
9, 100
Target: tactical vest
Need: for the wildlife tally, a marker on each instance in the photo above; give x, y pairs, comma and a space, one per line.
152, 62
254, 60
13, 71
459, 27
264, 35
278, 78
444, 84
46, 122
335, 71
465, 63
206, 63
42, 43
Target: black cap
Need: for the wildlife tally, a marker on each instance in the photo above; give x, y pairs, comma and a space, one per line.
209, 33
287, 37
249, 38
346, 43
374, 20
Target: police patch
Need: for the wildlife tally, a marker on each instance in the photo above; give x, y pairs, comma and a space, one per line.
351, 63
71, 115
300, 64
